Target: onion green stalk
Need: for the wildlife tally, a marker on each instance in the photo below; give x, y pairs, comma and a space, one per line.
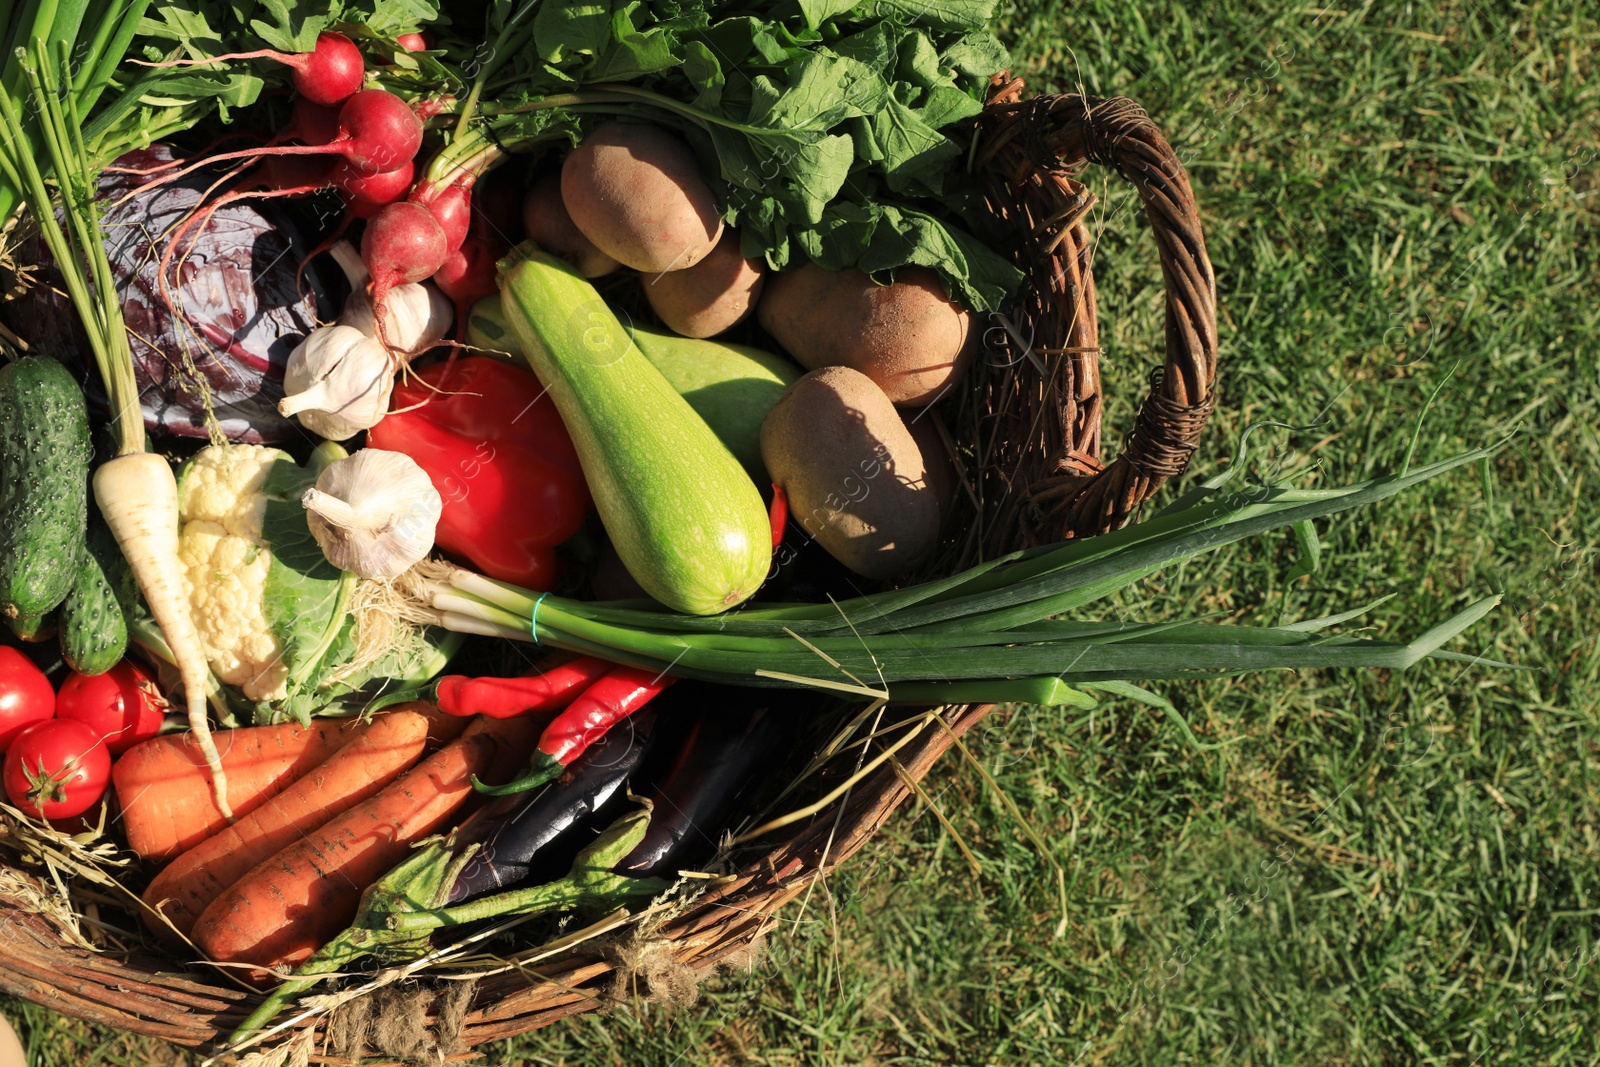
1005, 630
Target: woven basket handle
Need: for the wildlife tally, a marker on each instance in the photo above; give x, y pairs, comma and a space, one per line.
1040, 142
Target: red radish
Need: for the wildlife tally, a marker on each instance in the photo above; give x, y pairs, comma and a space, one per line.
451, 206
329, 74
284, 173
403, 243
467, 277
412, 42
366, 194
311, 123
378, 132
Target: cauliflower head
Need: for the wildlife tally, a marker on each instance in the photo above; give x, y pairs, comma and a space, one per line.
221, 505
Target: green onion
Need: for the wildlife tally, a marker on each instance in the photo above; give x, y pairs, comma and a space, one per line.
995, 632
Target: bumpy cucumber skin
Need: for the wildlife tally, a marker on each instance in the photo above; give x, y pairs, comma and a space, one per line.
44, 485
94, 632
684, 516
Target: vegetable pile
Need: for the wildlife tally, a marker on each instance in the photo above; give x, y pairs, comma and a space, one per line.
603, 328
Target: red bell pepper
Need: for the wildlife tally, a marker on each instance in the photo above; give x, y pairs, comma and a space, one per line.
496, 450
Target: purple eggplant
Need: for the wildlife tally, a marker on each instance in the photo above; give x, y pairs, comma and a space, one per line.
237, 309
530, 840
727, 744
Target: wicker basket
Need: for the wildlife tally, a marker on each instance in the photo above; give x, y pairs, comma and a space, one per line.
1032, 410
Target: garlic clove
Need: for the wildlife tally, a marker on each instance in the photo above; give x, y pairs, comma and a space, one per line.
374, 513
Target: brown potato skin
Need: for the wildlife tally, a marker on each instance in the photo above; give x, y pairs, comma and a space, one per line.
636, 192
852, 472
714, 295
940, 470
908, 337
545, 218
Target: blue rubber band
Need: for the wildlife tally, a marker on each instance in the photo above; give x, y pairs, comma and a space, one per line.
533, 622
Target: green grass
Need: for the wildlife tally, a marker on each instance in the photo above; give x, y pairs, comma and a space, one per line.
1375, 868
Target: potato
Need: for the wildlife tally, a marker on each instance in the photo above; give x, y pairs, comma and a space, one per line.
852, 471
545, 218
908, 337
636, 192
714, 295
941, 474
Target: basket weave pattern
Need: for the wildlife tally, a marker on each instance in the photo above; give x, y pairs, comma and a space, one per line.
1033, 408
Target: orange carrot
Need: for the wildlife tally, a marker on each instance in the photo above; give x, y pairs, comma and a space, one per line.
376, 756
290, 904
165, 788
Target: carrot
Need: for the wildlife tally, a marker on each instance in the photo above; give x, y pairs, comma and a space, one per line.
378, 754
289, 905
165, 786
138, 496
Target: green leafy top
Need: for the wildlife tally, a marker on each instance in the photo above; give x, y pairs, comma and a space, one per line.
832, 130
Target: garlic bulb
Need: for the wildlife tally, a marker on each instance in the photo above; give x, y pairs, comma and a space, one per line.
338, 382
416, 317
374, 513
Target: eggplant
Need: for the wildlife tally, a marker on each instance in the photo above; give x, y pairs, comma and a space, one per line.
693, 799
531, 839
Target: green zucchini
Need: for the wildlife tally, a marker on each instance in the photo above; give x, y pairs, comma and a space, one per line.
44, 485
686, 519
94, 633
731, 387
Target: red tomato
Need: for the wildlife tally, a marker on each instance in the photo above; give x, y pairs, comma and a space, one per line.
57, 769
25, 695
122, 705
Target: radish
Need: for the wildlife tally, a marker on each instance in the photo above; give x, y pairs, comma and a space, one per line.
412, 42
468, 276
451, 208
366, 194
311, 123
378, 132
302, 173
403, 243
329, 74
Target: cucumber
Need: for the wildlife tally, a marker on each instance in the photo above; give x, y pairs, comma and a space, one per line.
94, 633
44, 485
684, 516
731, 387
33, 628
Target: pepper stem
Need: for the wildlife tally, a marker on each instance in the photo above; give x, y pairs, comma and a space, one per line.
545, 769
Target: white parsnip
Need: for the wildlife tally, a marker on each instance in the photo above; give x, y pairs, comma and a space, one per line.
136, 492
138, 496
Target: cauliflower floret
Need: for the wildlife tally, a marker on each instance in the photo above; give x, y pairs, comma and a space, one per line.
225, 566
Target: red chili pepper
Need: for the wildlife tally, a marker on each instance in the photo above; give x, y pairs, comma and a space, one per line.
505, 698
623, 691
495, 448
778, 513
